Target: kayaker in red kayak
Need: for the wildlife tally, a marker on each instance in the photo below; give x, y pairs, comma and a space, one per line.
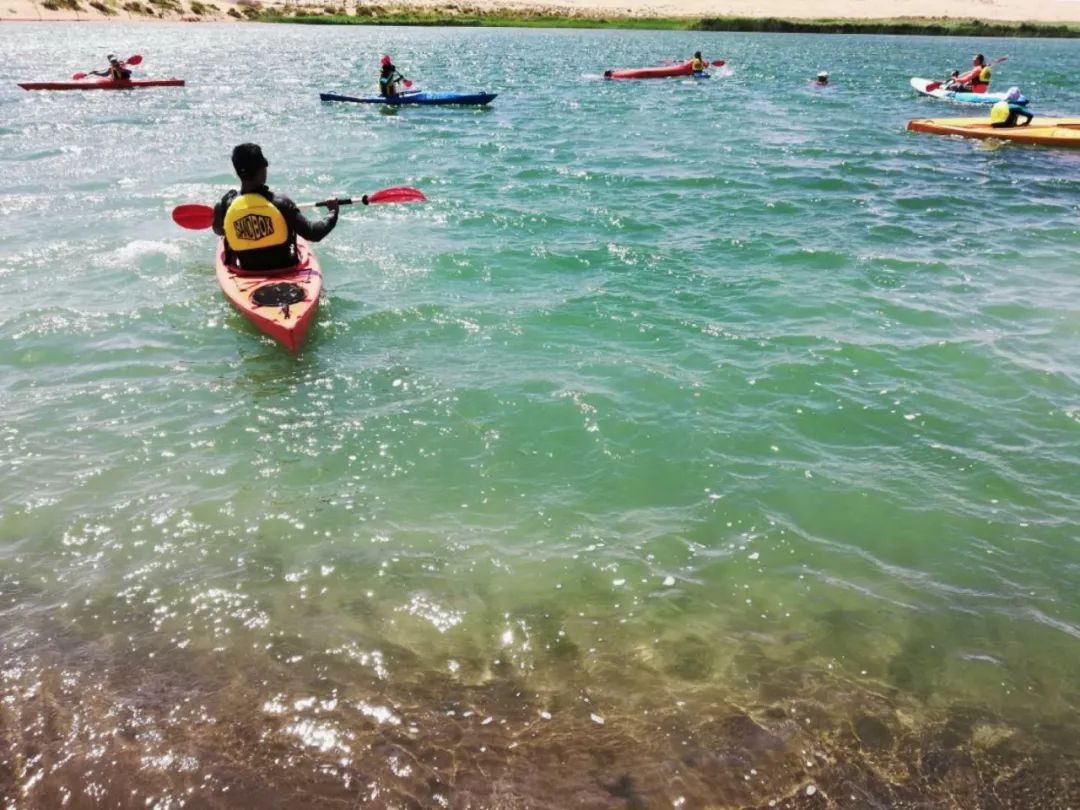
259, 226
388, 78
976, 80
697, 64
115, 72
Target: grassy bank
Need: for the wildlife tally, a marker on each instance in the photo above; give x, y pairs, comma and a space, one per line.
502, 19
455, 15
911, 25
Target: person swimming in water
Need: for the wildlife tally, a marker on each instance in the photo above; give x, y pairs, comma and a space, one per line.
822, 79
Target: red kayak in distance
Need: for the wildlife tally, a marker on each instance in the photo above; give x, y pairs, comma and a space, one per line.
664, 72
104, 84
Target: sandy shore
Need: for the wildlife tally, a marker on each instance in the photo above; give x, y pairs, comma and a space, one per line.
1040, 11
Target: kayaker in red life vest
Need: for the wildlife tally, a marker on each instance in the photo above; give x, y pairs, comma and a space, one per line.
388, 78
976, 80
259, 226
115, 72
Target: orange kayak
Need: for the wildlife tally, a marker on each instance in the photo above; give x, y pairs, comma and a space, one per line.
281, 304
1044, 131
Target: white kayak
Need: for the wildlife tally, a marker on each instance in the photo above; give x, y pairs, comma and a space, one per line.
922, 86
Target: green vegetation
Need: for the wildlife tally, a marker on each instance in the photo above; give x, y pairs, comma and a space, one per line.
107, 10
134, 7
907, 25
57, 5
198, 9
452, 15
467, 16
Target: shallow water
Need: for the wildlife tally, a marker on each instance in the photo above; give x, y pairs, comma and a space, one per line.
698, 444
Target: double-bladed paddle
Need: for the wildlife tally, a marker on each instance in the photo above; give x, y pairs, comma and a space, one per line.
196, 217
131, 60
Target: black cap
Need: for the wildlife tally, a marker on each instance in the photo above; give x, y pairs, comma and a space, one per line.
247, 158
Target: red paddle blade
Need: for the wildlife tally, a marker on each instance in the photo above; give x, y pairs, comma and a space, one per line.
718, 63
194, 217
78, 76
133, 60
396, 194
407, 83
933, 86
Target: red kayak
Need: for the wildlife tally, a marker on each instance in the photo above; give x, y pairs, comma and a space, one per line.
280, 305
665, 72
104, 84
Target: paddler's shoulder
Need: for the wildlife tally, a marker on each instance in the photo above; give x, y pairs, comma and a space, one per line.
282, 202
227, 198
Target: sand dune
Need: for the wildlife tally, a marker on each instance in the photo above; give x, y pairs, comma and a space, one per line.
194, 10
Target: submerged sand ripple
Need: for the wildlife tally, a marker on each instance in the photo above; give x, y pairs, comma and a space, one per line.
101, 723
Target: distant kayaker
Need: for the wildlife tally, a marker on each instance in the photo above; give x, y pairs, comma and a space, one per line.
115, 72
697, 64
822, 78
976, 80
1007, 112
259, 226
388, 78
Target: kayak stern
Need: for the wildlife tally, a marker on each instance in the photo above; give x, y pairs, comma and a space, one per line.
281, 305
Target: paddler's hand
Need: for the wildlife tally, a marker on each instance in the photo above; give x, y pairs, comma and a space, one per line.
333, 207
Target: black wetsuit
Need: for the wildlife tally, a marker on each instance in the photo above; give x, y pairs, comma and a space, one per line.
1015, 111
278, 257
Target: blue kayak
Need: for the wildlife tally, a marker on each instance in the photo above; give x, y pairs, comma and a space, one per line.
415, 97
939, 91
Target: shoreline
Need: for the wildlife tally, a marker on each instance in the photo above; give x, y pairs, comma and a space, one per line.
999, 18
915, 26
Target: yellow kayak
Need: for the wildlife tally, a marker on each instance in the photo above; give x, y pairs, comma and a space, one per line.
1045, 131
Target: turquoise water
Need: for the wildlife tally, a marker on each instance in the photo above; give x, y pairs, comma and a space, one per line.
698, 444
